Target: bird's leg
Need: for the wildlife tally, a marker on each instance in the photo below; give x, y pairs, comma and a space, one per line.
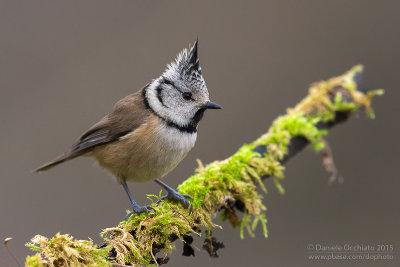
175, 196
136, 208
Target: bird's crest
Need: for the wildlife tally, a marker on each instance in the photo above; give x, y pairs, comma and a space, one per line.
187, 64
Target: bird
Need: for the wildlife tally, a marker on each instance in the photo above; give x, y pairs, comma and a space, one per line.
149, 132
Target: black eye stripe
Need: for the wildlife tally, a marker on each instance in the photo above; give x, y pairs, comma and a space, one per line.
159, 97
169, 82
159, 90
166, 81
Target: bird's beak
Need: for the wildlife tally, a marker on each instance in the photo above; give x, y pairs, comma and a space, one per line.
211, 105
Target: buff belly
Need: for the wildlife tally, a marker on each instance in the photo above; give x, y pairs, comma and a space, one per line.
148, 153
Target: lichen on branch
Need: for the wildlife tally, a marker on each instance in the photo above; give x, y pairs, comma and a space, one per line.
223, 187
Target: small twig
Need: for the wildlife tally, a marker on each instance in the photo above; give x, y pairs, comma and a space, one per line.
329, 163
8, 239
152, 254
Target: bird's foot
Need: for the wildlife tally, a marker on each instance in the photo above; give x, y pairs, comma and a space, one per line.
140, 209
181, 198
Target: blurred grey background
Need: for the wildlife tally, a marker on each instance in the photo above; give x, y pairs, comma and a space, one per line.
63, 64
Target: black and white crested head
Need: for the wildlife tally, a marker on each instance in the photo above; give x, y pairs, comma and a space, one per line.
186, 70
180, 96
187, 65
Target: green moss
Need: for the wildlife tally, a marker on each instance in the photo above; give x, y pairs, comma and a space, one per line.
34, 261
233, 179
135, 238
62, 250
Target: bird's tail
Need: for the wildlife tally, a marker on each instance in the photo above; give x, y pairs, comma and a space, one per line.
60, 159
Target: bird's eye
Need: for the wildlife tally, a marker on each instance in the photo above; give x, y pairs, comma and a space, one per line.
187, 95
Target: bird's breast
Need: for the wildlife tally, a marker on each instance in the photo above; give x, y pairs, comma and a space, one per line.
162, 150
174, 140
149, 152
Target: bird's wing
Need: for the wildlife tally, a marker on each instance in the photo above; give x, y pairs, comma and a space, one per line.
127, 115
97, 135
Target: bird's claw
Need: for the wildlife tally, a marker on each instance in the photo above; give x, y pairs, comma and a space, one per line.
140, 209
181, 198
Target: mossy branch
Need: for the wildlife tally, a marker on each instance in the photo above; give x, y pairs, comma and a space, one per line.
222, 187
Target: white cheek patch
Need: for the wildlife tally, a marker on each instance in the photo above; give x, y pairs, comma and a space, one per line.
180, 114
